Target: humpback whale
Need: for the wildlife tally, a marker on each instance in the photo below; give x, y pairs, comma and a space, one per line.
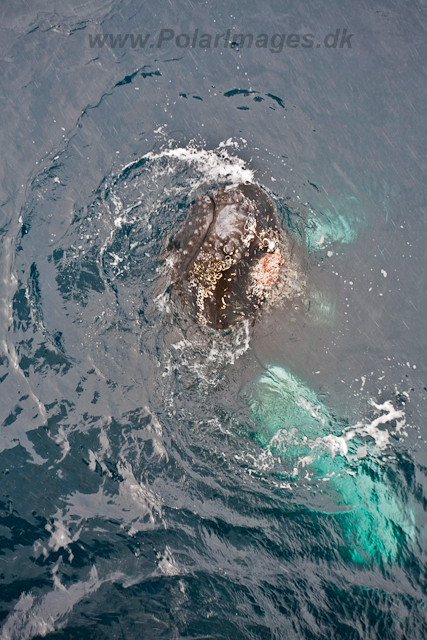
228, 254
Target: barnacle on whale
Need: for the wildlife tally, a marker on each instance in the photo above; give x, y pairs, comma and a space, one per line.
230, 254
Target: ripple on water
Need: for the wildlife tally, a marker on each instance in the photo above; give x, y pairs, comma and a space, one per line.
147, 474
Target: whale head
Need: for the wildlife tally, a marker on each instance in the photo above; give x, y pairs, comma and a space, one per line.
227, 254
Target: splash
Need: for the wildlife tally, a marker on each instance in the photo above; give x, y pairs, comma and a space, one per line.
295, 429
215, 165
204, 357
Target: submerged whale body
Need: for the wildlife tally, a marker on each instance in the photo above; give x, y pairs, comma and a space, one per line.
228, 254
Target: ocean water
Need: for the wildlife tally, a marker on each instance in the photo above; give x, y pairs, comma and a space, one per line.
161, 480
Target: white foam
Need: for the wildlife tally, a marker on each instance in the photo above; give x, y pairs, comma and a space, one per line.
381, 436
213, 164
315, 413
337, 444
269, 458
213, 353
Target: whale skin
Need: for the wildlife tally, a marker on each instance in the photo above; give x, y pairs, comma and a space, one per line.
227, 255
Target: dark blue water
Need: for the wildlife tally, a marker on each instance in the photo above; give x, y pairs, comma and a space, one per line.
160, 480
